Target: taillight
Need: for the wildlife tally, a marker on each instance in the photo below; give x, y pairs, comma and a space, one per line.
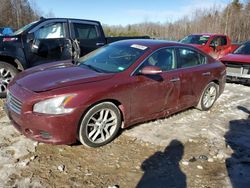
10, 39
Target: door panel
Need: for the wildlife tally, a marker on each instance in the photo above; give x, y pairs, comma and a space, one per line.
195, 74
50, 43
148, 96
152, 94
48, 50
88, 36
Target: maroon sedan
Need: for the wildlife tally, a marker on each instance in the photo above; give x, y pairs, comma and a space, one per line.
111, 88
238, 63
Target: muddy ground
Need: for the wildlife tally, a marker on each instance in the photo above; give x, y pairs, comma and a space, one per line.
189, 149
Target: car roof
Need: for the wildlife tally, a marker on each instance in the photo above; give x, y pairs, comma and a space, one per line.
209, 34
71, 19
151, 43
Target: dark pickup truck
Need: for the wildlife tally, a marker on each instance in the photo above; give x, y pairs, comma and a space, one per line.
48, 40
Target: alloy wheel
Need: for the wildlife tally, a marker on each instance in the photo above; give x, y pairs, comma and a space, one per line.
101, 125
210, 96
5, 78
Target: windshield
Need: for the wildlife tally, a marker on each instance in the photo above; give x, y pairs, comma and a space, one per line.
195, 39
19, 31
243, 49
113, 58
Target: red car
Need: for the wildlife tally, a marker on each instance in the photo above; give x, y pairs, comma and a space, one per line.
238, 63
111, 88
216, 45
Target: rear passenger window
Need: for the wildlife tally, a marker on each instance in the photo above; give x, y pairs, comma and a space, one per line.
85, 31
190, 58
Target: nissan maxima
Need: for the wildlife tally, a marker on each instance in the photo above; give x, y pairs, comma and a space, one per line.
112, 88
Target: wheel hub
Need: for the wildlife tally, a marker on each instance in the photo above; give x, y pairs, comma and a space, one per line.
5, 78
101, 125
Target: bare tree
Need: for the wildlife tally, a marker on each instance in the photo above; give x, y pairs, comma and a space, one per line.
233, 20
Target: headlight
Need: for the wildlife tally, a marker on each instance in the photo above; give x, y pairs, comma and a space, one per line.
54, 105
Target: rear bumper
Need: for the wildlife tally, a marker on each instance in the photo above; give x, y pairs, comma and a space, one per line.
238, 72
238, 79
238, 76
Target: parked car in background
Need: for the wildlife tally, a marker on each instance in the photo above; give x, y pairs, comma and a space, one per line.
216, 45
238, 64
5, 31
47, 40
116, 86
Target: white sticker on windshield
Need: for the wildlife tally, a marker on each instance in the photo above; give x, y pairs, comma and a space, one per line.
140, 47
121, 68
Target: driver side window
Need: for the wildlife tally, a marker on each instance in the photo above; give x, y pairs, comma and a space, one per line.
219, 41
50, 31
163, 58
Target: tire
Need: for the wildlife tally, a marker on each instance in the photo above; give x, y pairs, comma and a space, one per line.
7, 73
100, 125
208, 97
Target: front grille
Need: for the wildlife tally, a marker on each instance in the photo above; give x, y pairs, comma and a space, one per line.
14, 103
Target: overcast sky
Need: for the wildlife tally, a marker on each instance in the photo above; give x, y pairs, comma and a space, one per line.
123, 12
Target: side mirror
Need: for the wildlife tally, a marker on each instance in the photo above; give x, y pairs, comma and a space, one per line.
151, 70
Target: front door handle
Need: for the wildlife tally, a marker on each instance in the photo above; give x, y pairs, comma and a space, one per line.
175, 79
206, 74
100, 44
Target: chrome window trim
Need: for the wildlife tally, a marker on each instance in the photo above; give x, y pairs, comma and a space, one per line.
175, 58
86, 23
63, 21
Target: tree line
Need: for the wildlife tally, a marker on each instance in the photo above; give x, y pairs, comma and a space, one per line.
233, 20
17, 13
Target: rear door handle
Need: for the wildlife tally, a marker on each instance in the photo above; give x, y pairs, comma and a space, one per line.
206, 74
100, 44
175, 79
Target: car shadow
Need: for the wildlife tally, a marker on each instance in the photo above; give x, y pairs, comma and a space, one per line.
162, 168
238, 138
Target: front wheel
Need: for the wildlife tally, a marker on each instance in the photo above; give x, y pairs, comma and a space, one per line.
208, 96
7, 73
100, 125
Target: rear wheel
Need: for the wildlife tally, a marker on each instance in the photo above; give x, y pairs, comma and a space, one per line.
100, 125
7, 73
208, 96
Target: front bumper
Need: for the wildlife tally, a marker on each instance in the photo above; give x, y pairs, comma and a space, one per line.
54, 129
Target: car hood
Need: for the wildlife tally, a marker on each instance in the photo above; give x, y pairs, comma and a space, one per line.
57, 75
236, 58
